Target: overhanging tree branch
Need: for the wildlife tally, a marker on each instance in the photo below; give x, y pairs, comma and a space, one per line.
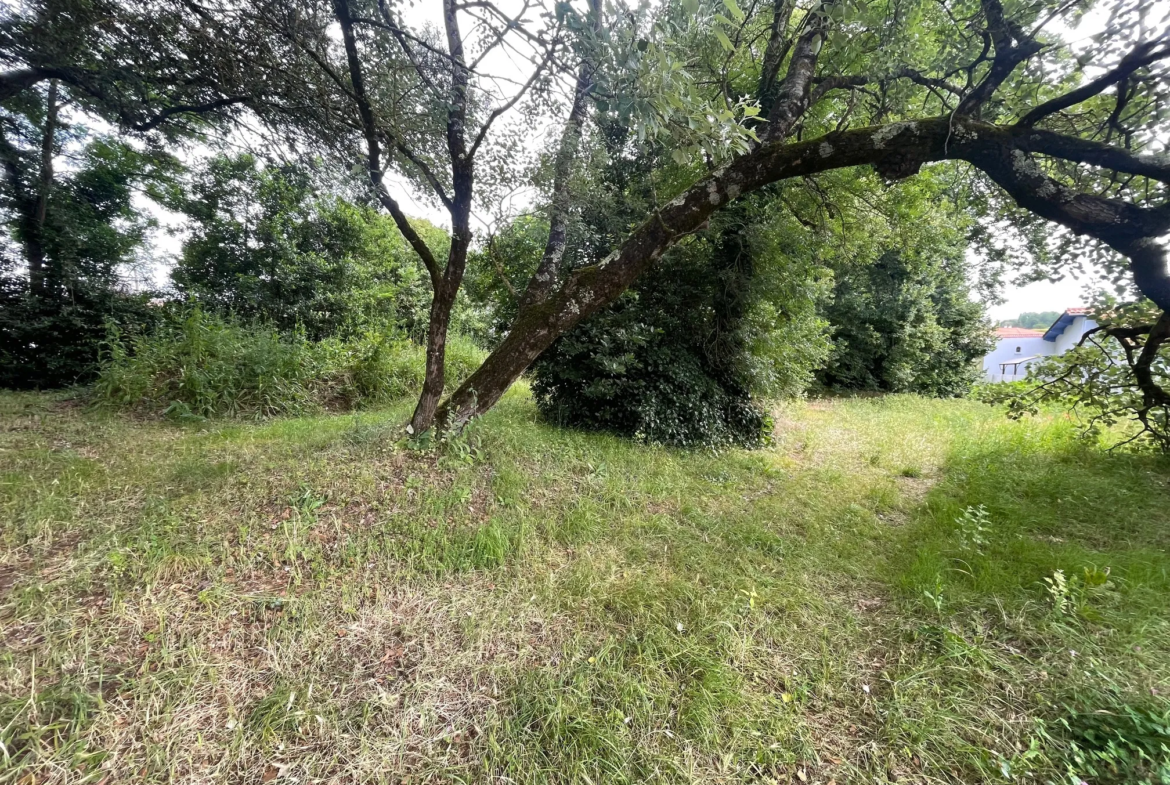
1142, 55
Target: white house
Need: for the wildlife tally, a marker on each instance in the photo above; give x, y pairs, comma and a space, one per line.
1016, 348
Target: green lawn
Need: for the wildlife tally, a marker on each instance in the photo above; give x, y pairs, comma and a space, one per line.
310, 599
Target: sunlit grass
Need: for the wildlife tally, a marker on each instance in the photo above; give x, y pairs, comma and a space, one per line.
311, 598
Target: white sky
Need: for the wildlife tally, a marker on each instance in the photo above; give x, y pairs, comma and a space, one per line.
1043, 296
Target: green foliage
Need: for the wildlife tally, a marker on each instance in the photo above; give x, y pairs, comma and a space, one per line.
51, 342
50, 336
499, 271
200, 365
1032, 320
906, 325
1116, 743
680, 358
264, 245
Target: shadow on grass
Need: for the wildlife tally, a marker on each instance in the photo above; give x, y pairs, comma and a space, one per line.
1051, 504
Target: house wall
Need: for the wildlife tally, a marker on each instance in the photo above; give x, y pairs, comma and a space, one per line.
1011, 349
1008, 349
1072, 334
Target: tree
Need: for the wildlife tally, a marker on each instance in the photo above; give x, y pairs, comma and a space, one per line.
73, 233
65, 192
389, 98
906, 325
848, 85
682, 356
264, 246
1032, 138
157, 66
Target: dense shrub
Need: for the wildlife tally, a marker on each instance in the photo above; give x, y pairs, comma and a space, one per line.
906, 323
51, 328
617, 374
205, 365
681, 357
54, 341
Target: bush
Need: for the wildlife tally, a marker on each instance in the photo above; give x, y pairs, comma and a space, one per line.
265, 244
205, 365
1114, 743
683, 357
634, 381
48, 342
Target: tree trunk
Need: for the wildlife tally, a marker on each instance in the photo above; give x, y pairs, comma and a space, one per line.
34, 234
446, 290
433, 382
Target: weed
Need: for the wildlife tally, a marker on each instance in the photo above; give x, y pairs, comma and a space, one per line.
974, 526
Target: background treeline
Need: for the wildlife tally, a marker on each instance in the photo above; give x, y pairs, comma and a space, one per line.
1032, 320
291, 291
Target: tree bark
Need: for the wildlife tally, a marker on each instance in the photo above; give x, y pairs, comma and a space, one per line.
434, 381
548, 271
34, 234
442, 303
462, 185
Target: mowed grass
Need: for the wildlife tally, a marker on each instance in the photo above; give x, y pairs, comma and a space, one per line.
899, 590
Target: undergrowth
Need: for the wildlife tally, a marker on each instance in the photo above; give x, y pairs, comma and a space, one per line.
202, 365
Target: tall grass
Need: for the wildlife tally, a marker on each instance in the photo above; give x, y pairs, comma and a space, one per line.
204, 365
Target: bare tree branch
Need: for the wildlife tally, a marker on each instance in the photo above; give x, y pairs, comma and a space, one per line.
373, 148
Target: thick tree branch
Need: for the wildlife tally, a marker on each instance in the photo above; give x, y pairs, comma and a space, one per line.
1012, 47
196, 109
18, 80
792, 94
1143, 370
1085, 151
373, 148
774, 54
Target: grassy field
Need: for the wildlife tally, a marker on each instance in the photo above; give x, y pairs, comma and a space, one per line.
899, 590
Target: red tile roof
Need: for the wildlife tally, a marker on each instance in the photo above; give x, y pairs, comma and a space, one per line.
1017, 332
1076, 311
